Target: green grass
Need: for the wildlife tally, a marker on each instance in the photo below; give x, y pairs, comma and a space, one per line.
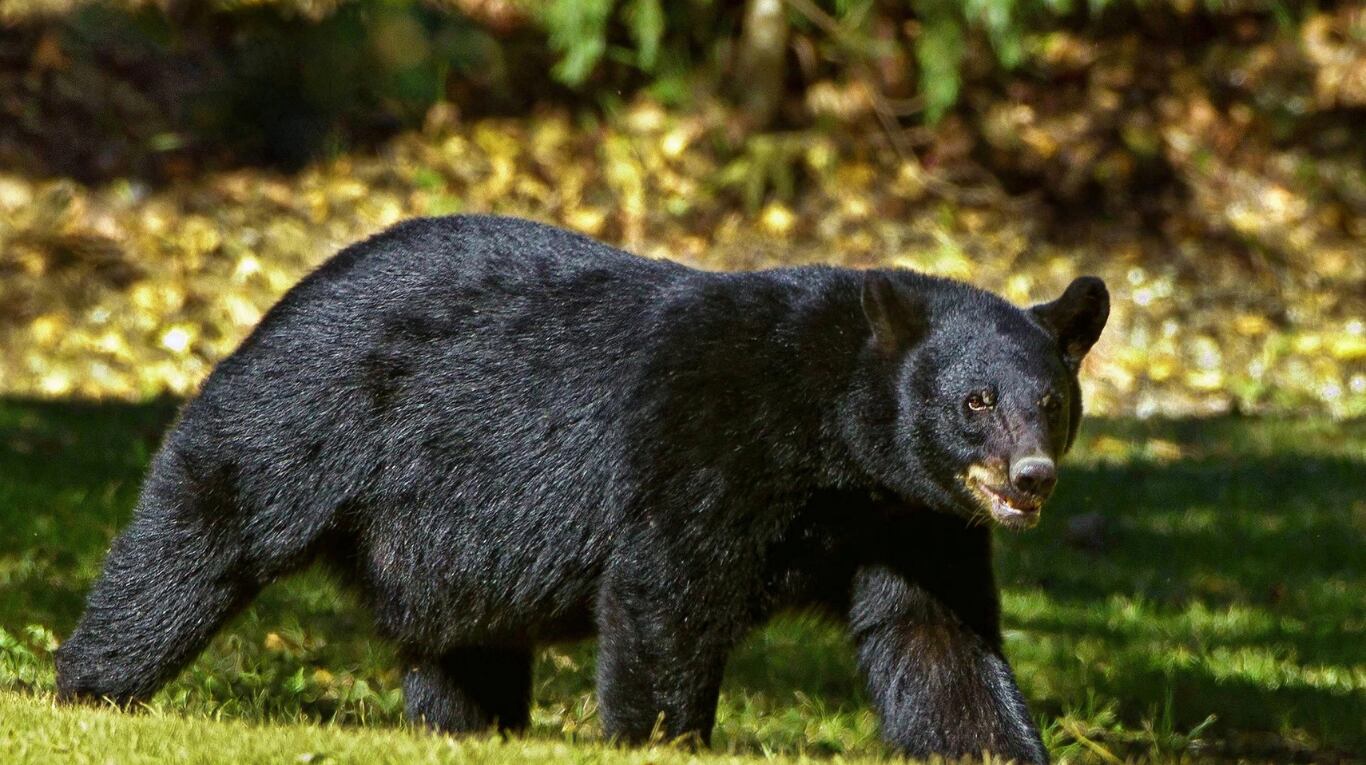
1221, 617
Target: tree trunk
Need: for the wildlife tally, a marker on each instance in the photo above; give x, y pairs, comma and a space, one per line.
761, 62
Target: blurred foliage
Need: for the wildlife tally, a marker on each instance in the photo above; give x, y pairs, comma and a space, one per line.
167, 170
598, 43
130, 291
578, 31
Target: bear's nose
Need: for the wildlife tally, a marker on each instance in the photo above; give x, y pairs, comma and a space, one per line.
1034, 475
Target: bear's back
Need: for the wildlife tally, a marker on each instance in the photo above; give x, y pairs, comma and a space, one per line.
456, 380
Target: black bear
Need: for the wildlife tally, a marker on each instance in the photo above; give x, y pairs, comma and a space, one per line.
504, 434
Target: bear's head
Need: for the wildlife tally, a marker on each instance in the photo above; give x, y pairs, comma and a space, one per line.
965, 403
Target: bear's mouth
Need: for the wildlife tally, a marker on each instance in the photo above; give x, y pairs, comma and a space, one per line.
1006, 506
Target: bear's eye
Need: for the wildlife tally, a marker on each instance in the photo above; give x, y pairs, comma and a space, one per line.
1051, 403
981, 400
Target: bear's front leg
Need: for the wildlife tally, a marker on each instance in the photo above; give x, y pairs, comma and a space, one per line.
929, 643
660, 660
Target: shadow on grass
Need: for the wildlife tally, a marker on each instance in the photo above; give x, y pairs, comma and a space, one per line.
1224, 581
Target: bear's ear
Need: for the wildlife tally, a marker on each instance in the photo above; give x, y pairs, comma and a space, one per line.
896, 316
1077, 317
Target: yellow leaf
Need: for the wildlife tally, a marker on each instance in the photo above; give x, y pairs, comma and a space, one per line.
589, 220
1161, 368
1165, 451
1308, 344
1251, 324
1109, 446
675, 142
178, 339
778, 219
1207, 380
58, 382
1348, 347
47, 328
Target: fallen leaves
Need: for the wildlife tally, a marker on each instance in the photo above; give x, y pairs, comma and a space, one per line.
128, 291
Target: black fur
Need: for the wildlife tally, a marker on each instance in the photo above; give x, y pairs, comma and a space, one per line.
505, 434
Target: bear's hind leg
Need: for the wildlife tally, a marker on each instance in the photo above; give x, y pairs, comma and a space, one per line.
470, 689
180, 570
658, 673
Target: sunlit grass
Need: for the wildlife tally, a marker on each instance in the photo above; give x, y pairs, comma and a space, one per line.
1215, 612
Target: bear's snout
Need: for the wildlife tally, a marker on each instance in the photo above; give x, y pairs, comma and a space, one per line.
1035, 475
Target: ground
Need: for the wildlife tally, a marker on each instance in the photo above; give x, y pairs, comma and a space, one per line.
1194, 589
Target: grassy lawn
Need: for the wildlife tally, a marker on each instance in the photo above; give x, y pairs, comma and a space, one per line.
1195, 590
